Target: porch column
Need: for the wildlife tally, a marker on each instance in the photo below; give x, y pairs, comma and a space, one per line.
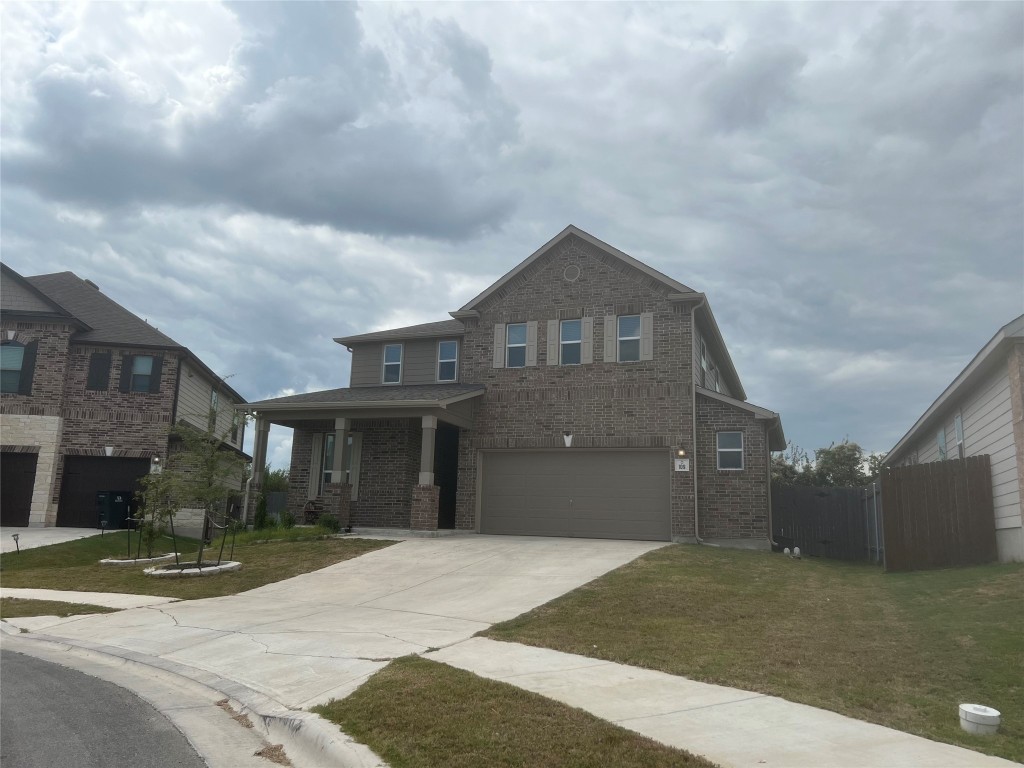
338, 493
260, 438
427, 450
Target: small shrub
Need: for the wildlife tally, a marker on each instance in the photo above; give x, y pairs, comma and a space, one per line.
287, 519
261, 519
329, 523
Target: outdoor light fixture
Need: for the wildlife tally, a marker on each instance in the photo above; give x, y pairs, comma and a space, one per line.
567, 436
108, 450
681, 453
16, 544
154, 466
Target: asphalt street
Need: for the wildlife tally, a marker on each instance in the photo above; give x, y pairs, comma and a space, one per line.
55, 717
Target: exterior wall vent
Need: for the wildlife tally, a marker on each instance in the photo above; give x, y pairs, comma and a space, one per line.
572, 273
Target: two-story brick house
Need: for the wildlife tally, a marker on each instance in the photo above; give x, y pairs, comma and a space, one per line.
88, 395
557, 402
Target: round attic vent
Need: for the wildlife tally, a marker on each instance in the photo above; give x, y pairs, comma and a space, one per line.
572, 273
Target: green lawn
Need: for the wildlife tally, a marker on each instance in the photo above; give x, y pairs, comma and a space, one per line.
74, 565
902, 650
417, 713
11, 607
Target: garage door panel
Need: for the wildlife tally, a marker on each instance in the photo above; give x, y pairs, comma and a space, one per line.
599, 494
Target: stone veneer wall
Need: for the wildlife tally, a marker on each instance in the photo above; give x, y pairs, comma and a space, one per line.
43, 432
732, 503
605, 404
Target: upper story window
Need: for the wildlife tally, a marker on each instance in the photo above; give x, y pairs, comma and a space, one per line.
235, 421
958, 431
629, 338
12, 358
142, 371
447, 360
730, 450
392, 363
571, 342
515, 345
705, 364
940, 439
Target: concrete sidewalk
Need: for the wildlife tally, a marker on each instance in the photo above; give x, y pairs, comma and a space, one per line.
729, 726
106, 599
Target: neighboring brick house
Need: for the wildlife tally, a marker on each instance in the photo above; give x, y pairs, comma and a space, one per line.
981, 413
88, 395
554, 403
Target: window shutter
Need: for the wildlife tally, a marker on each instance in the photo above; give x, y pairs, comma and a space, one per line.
531, 342
316, 458
552, 342
587, 347
611, 333
499, 345
154, 377
647, 336
28, 367
99, 372
126, 373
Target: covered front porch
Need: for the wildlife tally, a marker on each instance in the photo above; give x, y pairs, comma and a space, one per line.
375, 457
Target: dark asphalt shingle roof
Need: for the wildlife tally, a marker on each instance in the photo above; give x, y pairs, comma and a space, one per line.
110, 323
355, 395
422, 331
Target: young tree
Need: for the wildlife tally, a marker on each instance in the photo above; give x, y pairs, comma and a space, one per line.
840, 466
793, 467
274, 479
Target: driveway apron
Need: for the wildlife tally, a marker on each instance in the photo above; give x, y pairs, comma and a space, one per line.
317, 636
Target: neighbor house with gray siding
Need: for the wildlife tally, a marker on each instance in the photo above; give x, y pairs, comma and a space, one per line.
88, 396
981, 413
582, 394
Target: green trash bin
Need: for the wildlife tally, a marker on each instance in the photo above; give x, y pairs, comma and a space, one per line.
114, 508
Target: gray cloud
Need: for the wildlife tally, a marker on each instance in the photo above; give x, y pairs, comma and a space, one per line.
845, 181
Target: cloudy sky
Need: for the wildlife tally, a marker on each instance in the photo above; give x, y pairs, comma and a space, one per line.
845, 181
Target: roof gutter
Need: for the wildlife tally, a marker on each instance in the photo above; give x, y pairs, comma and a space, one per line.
357, 405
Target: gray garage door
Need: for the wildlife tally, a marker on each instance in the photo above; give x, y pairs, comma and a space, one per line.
593, 494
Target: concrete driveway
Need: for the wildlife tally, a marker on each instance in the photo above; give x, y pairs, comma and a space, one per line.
30, 538
317, 636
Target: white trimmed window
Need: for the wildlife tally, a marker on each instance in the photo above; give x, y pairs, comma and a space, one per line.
515, 345
571, 342
214, 403
324, 458
730, 450
392, 363
447, 360
940, 439
629, 338
958, 431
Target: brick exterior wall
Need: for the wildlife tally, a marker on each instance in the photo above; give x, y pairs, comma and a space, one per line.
388, 471
733, 503
604, 404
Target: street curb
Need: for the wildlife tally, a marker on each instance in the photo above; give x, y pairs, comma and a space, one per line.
308, 739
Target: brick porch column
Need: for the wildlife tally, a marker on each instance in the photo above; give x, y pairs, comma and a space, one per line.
338, 502
423, 512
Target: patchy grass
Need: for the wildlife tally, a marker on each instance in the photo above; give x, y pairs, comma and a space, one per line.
417, 713
270, 535
902, 650
13, 607
74, 565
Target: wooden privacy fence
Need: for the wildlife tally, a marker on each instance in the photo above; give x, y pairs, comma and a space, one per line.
840, 523
938, 514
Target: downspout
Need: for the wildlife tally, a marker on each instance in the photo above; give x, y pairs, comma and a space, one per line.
693, 418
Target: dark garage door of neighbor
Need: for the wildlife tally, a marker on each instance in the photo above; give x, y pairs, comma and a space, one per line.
590, 494
17, 476
85, 476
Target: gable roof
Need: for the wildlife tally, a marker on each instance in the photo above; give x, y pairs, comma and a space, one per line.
674, 285
108, 321
434, 330
989, 355
19, 296
776, 437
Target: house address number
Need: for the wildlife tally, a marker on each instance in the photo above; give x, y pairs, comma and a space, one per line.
682, 465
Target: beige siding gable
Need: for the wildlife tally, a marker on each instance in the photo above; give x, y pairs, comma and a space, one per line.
195, 390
